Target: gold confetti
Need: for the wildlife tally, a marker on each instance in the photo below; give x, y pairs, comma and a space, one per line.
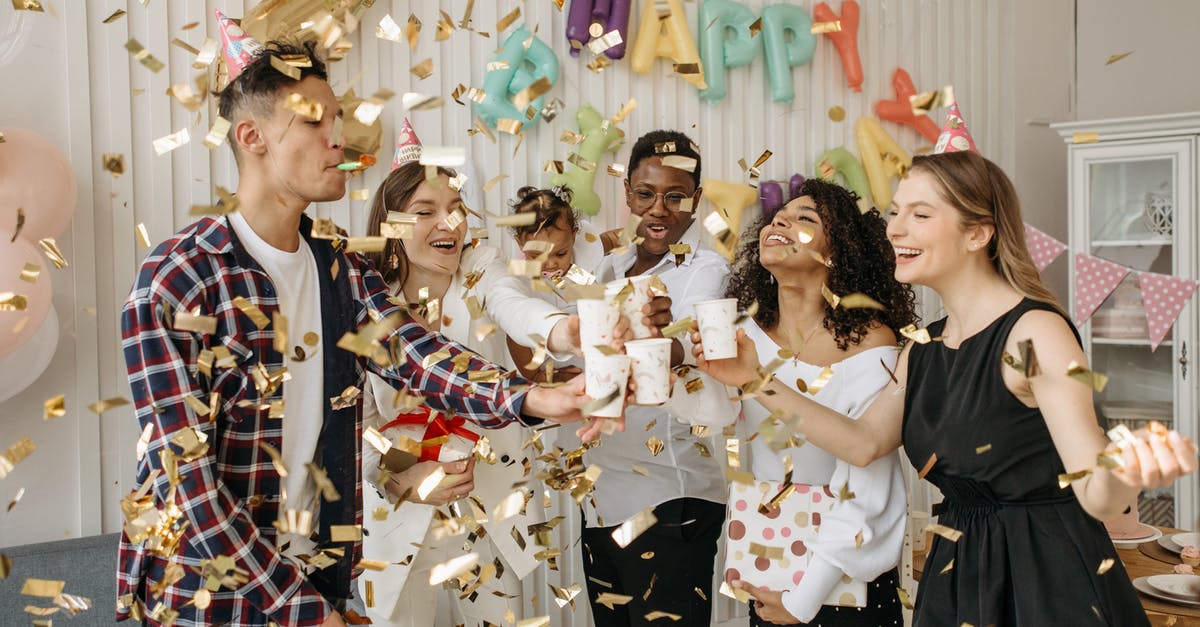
42, 587
821, 380
423, 70
15, 453
54, 407
1111, 60
837, 113
946, 532
920, 336
680, 162
13, 302
598, 64
300, 105
858, 300
116, 15
99, 407
389, 30
602, 43
532, 92
1105, 565
629, 530
276, 459
928, 466
142, 236
430, 483
612, 599
756, 27
113, 163
50, 249
507, 21
979, 450
686, 69
1093, 379
195, 322
452, 568
947, 568
1085, 137
1067, 478
624, 111
143, 55
345, 533
823, 28
902, 594
925, 102
657, 614
167, 143
5, 566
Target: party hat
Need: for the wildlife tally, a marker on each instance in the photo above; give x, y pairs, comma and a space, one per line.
955, 136
238, 48
408, 147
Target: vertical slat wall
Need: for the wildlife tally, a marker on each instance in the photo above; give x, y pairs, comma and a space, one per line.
964, 43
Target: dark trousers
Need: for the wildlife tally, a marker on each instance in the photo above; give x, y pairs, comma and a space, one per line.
662, 569
883, 608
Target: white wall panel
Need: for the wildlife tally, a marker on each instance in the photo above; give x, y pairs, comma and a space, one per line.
109, 102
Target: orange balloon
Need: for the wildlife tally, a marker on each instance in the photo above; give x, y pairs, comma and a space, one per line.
845, 40
900, 110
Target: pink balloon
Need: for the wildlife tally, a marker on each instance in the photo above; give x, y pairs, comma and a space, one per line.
16, 327
36, 177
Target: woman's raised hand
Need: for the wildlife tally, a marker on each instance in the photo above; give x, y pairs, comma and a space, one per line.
735, 371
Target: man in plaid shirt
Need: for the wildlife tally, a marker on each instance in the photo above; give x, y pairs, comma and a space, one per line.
205, 337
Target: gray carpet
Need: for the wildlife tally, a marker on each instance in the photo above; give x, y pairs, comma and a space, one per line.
87, 565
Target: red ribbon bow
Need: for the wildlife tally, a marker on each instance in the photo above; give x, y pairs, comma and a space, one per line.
435, 428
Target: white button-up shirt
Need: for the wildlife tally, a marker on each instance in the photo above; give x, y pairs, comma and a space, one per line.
681, 469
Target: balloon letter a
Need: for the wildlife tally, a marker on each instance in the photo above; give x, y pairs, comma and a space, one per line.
845, 40
501, 85
666, 37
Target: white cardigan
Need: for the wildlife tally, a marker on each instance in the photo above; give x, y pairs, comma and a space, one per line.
512, 307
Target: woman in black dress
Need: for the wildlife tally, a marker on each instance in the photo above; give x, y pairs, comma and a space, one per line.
992, 439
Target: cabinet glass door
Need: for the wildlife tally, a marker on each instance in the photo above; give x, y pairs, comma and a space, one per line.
1137, 200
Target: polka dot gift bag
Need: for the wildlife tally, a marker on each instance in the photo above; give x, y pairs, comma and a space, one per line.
770, 549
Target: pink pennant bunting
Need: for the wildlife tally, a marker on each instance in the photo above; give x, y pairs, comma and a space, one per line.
1042, 247
1163, 297
1095, 279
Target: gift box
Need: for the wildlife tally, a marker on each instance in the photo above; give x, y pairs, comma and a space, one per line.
438, 438
767, 535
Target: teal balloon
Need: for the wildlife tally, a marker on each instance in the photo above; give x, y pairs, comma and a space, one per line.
848, 166
501, 85
777, 21
599, 136
717, 50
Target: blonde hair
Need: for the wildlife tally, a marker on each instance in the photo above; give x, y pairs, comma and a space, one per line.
983, 194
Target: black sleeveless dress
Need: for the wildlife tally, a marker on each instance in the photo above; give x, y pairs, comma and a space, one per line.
1028, 554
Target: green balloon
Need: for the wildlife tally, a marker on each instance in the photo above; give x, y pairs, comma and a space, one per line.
600, 136
846, 164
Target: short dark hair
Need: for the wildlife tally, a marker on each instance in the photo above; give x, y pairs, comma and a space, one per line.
653, 144
257, 88
548, 205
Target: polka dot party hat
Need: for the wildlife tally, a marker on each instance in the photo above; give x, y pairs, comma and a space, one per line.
955, 136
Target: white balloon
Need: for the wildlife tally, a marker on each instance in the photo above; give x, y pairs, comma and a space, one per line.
22, 367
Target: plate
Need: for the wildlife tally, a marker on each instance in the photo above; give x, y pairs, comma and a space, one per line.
1141, 585
1183, 587
1180, 540
1132, 543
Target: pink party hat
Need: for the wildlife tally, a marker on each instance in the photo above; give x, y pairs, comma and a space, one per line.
238, 48
408, 147
955, 136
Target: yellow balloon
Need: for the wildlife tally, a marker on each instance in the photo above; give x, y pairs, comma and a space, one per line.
731, 199
882, 158
669, 38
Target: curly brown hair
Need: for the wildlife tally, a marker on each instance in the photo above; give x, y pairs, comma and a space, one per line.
860, 259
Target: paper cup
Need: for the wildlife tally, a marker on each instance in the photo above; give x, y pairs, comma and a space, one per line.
597, 318
631, 307
604, 375
650, 369
716, 318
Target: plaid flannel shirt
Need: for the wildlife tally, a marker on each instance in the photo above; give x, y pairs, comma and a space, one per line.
230, 496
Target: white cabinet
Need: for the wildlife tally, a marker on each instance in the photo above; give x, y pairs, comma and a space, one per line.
1132, 201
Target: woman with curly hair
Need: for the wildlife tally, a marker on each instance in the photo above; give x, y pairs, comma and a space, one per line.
817, 244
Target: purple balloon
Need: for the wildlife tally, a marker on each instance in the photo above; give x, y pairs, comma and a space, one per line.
578, 20
795, 185
600, 11
770, 197
618, 20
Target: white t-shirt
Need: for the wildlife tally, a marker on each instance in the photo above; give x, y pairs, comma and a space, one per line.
298, 290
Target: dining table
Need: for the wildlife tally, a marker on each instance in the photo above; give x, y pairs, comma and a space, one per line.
1147, 558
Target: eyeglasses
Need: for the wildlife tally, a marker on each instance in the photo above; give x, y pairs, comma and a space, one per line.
645, 199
